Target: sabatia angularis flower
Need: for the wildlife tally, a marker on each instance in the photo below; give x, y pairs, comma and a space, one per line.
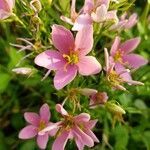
125, 23
121, 54
74, 127
6, 7
91, 12
36, 124
116, 76
70, 57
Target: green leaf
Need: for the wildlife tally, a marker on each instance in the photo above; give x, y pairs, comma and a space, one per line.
121, 138
28, 145
133, 110
146, 139
4, 81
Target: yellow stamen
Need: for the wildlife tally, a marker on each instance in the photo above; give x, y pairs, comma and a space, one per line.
118, 56
114, 78
72, 58
42, 125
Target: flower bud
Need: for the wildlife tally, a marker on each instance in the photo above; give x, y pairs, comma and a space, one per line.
87, 91
114, 108
23, 70
36, 5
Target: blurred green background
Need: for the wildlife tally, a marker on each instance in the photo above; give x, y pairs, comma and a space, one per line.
19, 94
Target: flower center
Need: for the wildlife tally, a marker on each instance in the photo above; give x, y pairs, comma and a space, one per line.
118, 56
42, 125
68, 122
72, 59
114, 78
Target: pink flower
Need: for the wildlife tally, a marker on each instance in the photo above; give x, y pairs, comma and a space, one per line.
125, 23
116, 75
121, 54
90, 12
102, 14
74, 127
6, 7
36, 124
70, 57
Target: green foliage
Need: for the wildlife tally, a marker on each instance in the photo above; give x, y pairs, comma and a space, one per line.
19, 94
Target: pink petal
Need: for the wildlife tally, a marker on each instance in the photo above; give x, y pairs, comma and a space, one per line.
4, 14
87, 140
91, 134
105, 2
132, 21
64, 77
28, 132
54, 129
60, 142
79, 143
45, 113
100, 15
62, 39
49, 59
50, 129
82, 21
88, 6
84, 40
61, 110
11, 4
129, 45
83, 117
112, 15
115, 46
42, 141
119, 25
32, 118
4, 5
120, 69
134, 60
94, 66
91, 124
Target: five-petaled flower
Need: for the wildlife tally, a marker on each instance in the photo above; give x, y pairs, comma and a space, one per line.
70, 57
116, 76
36, 124
6, 7
122, 56
73, 127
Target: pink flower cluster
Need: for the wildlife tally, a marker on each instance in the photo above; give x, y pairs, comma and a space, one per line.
77, 127
72, 56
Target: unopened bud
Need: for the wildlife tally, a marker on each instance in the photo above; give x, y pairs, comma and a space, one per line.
87, 91
114, 108
36, 5
23, 70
